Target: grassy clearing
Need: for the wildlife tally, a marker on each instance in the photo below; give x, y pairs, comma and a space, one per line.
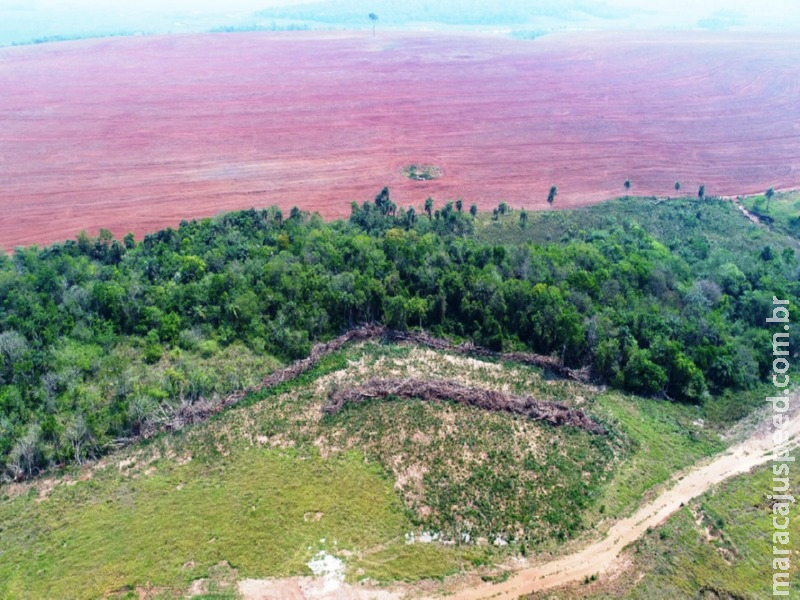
264, 511
261, 486
719, 546
783, 209
664, 438
696, 230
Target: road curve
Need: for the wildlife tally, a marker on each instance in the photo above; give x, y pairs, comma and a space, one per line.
600, 556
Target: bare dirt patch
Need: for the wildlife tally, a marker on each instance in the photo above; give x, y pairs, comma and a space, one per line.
308, 588
134, 134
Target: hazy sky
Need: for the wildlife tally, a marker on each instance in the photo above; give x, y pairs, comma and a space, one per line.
24, 20
746, 7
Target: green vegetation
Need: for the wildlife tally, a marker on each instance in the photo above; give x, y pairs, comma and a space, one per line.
373, 17
261, 486
422, 172
780, 210
718, 546
665, 299
260, 510
665, 437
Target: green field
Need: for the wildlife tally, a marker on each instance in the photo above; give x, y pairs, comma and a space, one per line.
266, 486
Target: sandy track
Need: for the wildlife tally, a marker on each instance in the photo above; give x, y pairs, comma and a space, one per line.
600, 556
139, 133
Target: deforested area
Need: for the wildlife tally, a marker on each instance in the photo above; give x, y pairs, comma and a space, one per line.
319, 300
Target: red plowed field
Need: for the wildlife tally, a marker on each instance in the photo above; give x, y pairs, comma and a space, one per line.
134, 134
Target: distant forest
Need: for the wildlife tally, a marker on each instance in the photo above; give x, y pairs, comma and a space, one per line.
469, 12
100, 336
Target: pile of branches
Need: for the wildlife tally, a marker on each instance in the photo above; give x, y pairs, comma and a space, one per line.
186, 413
444, 390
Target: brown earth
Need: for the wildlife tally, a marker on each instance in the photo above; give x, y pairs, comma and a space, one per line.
134, 134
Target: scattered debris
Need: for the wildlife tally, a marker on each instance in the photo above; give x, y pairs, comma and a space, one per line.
174, 418
444, 390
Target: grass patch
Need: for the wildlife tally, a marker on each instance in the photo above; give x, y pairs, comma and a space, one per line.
695, 230
250, 509
782, 211
419, 172
718, 546
663, 438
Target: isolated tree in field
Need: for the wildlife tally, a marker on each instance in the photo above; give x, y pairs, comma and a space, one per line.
373, 17
495, 213
502, 208
677, 186
459, 205
627, 185
473, 210
551, 197
429, 207
701, 193
768, 195
523, 217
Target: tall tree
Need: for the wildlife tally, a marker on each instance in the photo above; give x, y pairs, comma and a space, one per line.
459, 205
768, 195
411, 216
551, 197
677, 186
523, 217
373, 17
473, 210
701, 192
383, 201
429, 206
627, 185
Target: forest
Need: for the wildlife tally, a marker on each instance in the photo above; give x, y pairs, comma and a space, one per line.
99, 337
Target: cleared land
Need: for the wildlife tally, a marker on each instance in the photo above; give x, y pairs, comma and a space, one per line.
137, 133
256, 487
599, 557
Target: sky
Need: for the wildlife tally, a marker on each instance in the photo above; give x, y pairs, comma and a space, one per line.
746, 7
25, 20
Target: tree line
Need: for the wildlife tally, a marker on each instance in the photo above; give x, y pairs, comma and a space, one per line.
76, 316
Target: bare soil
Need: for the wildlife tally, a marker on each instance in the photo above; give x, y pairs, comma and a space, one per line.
135, 134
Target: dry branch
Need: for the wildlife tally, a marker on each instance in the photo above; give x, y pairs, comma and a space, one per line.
445, 390
187, 413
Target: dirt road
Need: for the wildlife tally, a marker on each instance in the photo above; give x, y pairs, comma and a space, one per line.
599, 557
